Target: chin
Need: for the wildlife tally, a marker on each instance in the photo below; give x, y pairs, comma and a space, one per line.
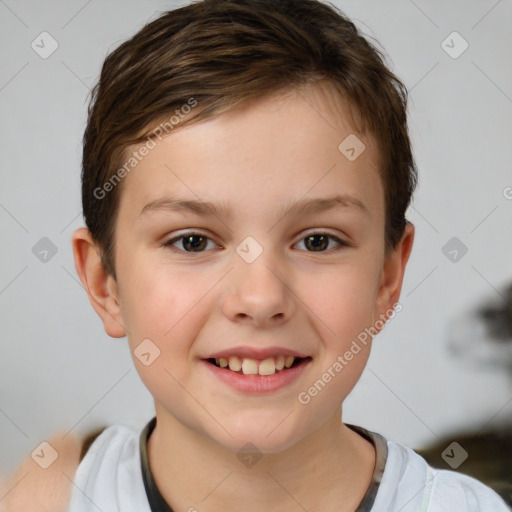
263, 435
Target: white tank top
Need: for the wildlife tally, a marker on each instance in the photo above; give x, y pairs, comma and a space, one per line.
114, 476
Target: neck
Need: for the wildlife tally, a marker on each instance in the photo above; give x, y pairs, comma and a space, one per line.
330, 469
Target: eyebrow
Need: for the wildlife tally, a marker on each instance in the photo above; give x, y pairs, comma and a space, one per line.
205, 208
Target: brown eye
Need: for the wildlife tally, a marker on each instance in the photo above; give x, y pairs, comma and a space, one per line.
190, 242
319, 242
194, 243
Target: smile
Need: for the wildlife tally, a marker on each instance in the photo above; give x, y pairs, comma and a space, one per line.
249, 366
257, 376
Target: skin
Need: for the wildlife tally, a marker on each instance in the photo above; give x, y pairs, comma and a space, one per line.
32, 488
257, 159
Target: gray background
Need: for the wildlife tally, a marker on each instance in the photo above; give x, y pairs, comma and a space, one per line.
60, 372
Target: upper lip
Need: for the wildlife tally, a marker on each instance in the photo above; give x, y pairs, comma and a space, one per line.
255, 353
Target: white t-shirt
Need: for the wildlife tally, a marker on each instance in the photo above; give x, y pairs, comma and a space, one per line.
110, 478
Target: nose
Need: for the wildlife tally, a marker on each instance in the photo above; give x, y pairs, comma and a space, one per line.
259, 293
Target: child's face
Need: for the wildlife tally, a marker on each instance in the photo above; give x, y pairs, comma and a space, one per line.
197, 305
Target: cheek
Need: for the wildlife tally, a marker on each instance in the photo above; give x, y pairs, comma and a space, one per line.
168, 308
158, 302
163, 313
343, 300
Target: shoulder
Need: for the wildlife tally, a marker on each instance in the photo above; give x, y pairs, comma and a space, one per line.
109, 476
437, 490
460, 490
43, 480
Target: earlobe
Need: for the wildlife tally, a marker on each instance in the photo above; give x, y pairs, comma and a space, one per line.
393, 272
101, 288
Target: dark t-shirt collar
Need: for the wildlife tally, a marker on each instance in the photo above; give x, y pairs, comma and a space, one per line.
158, 504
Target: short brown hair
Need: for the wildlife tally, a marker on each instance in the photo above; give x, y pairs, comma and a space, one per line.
221, 53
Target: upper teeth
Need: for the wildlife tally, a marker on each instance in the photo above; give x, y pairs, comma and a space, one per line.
255, 367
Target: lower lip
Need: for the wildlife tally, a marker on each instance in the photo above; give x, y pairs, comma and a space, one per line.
258, 384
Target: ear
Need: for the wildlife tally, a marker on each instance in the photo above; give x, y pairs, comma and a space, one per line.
101, 288
392, 273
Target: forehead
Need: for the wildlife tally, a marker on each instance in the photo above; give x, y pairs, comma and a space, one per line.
262, 153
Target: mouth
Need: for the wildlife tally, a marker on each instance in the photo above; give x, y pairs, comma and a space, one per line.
261, 367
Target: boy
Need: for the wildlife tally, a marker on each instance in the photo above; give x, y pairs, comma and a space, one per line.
246, 173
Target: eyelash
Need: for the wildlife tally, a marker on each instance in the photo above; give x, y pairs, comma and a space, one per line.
169, 243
